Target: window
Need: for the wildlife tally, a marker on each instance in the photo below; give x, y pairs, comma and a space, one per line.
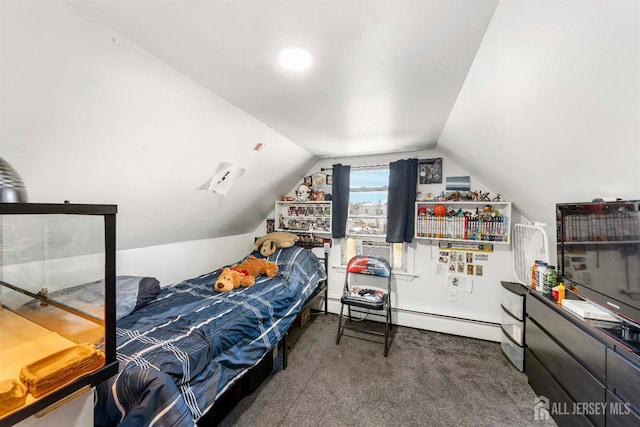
367, 219
368, 202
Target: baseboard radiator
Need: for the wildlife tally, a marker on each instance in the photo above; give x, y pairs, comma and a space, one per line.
433, 315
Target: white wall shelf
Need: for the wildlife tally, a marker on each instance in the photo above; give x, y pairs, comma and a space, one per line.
464, 221
303, 217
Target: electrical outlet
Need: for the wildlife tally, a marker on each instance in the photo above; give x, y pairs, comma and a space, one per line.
453, 295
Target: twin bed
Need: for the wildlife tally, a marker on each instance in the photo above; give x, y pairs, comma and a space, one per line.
190, 348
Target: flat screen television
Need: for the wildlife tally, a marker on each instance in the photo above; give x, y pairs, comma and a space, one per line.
599, 253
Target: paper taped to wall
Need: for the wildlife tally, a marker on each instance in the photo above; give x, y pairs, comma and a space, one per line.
462, 283
224, 179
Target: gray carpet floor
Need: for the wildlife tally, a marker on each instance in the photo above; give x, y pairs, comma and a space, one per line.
428, 379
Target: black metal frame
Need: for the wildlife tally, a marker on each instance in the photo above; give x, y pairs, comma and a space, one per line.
110, 367
256, 375
385, 306
322, 286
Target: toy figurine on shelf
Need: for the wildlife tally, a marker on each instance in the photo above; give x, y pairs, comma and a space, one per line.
303, 192
453, 196
486, 213
498, 198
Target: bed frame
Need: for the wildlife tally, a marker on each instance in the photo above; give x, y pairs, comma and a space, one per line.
256, 375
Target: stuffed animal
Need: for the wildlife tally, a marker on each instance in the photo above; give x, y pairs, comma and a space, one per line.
244, 274
268, 243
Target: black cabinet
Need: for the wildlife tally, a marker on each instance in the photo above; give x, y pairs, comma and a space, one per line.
620, 413
584, 376
550, 393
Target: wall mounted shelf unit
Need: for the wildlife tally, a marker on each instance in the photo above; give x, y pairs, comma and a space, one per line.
464, 222
303, 217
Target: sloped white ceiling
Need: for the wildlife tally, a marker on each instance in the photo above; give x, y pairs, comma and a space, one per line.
88, 116
385, 77
550, 110
139, 103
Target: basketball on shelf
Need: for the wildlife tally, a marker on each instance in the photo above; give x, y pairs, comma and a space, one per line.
439, 210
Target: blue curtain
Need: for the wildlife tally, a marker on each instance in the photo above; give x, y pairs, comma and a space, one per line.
340, 200
403, 181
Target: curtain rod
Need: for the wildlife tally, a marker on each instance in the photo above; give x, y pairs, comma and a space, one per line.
360, 167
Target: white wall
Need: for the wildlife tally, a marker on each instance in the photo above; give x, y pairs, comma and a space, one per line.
423, 301
176, 262
550, 109
87, 116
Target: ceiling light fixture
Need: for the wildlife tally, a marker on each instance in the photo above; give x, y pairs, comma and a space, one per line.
295, 58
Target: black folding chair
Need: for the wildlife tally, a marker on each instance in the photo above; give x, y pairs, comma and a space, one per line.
370, 299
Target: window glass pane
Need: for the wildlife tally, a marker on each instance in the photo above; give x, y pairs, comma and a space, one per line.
368, 197
367, 226
369, 178
368, 203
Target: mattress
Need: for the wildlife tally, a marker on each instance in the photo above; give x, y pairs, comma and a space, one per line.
182, 350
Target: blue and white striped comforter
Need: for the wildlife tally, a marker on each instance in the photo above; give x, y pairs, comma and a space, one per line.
186, 347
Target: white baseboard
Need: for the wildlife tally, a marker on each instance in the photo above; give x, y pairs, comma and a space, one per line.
432, 322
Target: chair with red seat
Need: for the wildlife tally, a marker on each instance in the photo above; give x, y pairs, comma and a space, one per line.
369, 300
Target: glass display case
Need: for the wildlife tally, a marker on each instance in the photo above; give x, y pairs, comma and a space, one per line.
55, 339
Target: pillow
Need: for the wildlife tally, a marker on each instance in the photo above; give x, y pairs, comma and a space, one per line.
134, 292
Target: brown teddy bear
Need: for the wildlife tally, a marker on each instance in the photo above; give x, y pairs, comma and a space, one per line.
268, 243
244, 274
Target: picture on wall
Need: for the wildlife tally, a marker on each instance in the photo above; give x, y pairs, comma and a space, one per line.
430, 171
318, 179
458, 183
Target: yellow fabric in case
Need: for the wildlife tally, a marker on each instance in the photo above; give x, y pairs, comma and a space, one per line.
12, 396
51, 372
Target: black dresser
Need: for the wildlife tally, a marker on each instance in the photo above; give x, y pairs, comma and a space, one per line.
581, 370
